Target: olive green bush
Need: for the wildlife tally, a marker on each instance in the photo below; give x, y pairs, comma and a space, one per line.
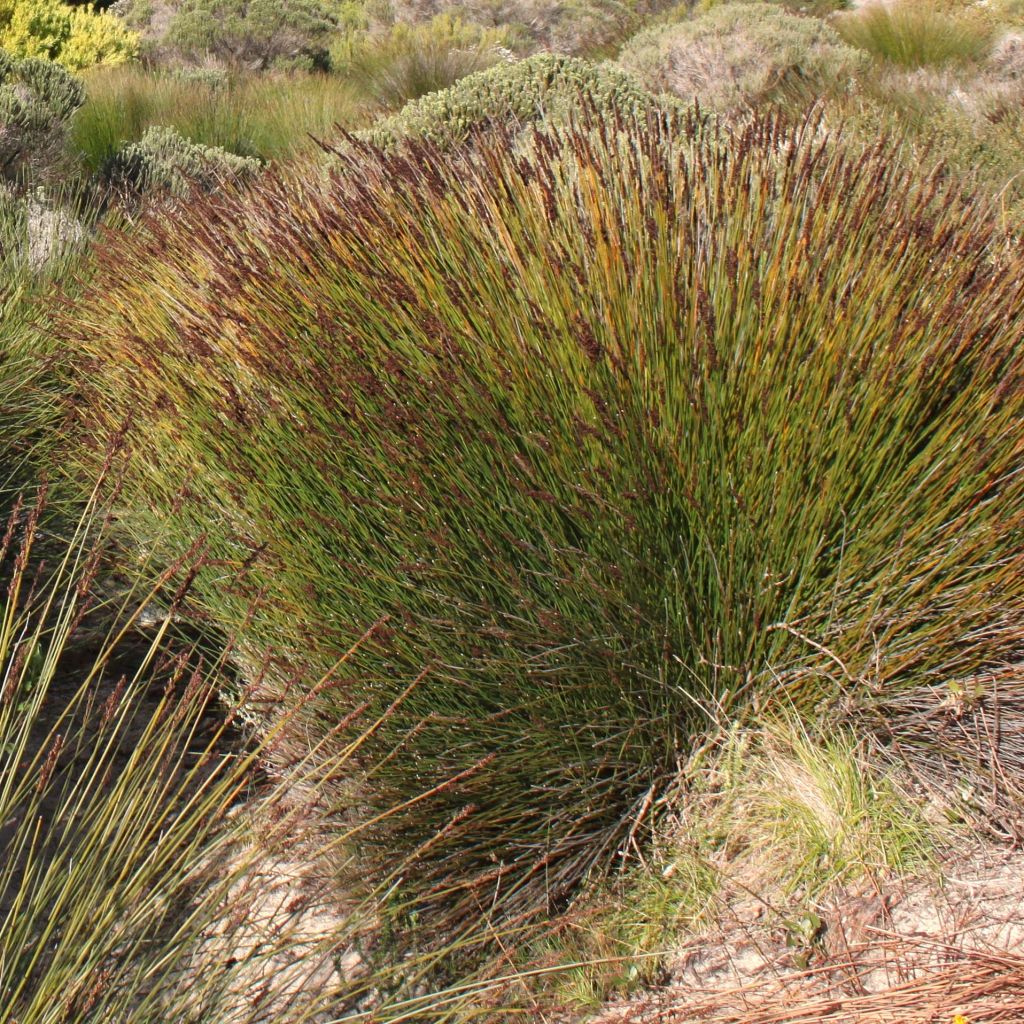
589, 437
164, 161
75, 37
517, 93
37, 101
255, 34
738, 53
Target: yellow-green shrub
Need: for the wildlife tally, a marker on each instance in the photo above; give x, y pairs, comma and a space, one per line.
73, 37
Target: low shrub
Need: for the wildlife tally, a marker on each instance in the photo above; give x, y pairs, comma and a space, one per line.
599, 434
37, 100
253, 34
737, 54
75, 37
817, 8
915, 34
164, 161
540, 87
409, 61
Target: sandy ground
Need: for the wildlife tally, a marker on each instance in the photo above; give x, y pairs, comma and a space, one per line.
923, 952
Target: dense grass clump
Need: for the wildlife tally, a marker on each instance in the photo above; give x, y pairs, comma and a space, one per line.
915, 34
598, 434
267, 116
410, 61
142, 857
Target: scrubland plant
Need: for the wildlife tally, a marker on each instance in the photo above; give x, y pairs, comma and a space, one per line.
917, 34
579, 27
37, 101
268, 116
624, 428
409, 61
164, 161
151, 867
37, 231
544, 87
29, 402
75, 37
253, 34
736, 54
818, 8
40, 235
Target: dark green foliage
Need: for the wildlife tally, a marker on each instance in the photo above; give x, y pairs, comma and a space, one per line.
594, 436
164, 161
541, 87
37, 99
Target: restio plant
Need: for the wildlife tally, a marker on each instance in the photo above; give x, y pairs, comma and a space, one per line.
144, 873
74, 37
267, 116
737, 54
37, 229
30, 402
592, 436
916, 34
543, 87
409, 61
164, 161
37, 100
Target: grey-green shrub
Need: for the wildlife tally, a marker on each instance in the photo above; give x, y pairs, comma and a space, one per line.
543, 86
163, 160
37, 100
736, 54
